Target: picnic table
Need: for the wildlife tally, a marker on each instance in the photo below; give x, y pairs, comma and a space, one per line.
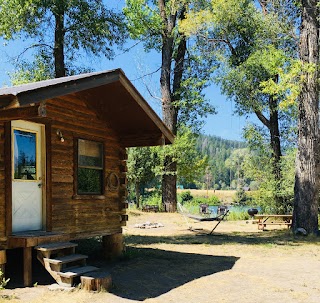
264, 220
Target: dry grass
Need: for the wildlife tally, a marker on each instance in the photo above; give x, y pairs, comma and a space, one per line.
237, 263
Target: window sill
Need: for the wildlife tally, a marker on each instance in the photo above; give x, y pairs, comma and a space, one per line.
88, 197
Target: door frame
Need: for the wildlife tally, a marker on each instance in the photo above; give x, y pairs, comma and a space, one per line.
9, 172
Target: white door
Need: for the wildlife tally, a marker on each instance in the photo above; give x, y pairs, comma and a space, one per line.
27, 176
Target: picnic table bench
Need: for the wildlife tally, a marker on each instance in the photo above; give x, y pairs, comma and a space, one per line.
264, 220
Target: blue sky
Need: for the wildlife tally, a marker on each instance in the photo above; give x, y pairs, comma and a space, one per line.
136, 63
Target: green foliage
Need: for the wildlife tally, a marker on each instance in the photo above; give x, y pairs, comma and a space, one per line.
185, 196
240, 197
270, 189
223, 171
3, 281
143, 20
255, 51
195, 202
89, 181
190, 164
146, 23
213, 200
238, 215
140, 164
152, 198
40, 69
88, 26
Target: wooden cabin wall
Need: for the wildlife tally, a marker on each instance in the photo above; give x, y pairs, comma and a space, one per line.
2, 183
73, 214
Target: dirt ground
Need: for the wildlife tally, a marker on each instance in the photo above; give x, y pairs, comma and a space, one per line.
237, 263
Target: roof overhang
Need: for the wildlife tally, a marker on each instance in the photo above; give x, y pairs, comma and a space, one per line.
110, 94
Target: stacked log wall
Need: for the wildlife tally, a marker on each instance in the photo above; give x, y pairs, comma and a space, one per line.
77, 215
2, 184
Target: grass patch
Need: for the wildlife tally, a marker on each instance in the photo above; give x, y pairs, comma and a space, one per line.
225, 196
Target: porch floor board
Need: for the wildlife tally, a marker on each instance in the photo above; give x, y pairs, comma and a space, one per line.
34, 238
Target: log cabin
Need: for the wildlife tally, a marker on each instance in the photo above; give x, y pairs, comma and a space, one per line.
63, 166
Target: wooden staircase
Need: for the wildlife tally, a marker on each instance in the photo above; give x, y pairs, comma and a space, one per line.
63, 264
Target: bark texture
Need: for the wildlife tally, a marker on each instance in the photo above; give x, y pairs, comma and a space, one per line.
170, 94
306, 191
59, 33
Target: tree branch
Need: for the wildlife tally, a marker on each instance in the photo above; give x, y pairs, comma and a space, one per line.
225, 41
150, 93
263, 4
149, 74
129, 48
262, 118
30, 47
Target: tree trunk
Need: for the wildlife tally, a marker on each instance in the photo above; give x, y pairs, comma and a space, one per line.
58, 52
169, 187
276, 154
275, 138
137, 190
169, 179
169, 116
306, 190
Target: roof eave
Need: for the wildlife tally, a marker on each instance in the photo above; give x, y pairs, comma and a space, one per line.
68, 87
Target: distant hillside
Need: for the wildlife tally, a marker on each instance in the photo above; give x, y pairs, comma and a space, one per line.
218, 151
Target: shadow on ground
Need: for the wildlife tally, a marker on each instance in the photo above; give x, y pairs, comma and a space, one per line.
263, 238
14, 270
149, 273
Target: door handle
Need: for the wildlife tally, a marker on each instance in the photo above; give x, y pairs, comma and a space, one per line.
39, 185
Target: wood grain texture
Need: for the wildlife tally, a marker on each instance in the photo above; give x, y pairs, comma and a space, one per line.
71, 213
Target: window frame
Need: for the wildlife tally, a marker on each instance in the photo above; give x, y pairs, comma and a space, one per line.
96, 196
37, 156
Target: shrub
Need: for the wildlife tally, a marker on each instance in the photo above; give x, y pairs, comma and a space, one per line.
213, 200
240, 197
238, 215
3, 281
185, 196
153, 198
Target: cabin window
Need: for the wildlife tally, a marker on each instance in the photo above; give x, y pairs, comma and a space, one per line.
90, 167
25, 154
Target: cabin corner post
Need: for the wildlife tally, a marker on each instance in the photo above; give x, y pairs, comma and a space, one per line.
3, 261
113, 246
8, 177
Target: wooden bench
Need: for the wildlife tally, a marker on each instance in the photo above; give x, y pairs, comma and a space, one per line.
264, 220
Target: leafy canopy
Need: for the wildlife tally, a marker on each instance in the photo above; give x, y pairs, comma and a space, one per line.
87, 25
146, 23
190, 163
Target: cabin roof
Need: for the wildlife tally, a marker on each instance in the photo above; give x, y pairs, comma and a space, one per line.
109, 93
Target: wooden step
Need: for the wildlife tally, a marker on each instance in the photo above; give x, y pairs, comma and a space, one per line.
55, 246
96, 281
77, 271
66, 259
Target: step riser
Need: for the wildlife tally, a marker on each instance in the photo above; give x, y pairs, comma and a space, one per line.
62, 263
64, 266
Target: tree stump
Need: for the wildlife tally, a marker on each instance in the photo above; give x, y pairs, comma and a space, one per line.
96, 281
113, 246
